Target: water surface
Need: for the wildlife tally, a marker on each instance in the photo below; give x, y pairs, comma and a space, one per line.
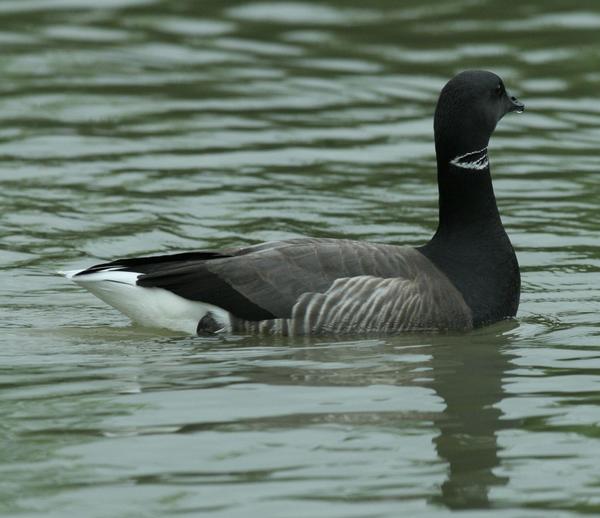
145, 127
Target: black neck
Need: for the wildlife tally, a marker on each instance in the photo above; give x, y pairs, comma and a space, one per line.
466, 199
470, 245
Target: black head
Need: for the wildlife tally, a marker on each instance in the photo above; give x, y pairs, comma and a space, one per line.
469, 107
470, 245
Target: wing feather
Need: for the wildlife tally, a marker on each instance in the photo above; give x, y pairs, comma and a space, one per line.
270, 279
314, 285
366, 304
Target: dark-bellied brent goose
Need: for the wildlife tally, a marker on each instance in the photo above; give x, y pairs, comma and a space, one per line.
466, 276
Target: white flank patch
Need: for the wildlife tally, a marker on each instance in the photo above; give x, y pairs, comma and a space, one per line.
477, 160
149, 307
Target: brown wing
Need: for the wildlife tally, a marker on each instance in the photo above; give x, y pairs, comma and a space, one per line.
317, 285
266, 281
369, 304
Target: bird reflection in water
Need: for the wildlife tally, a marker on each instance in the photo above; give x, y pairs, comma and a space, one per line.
468, 374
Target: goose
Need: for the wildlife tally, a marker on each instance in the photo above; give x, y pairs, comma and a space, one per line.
465, 276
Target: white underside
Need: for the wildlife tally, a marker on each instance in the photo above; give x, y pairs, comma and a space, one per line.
149, 307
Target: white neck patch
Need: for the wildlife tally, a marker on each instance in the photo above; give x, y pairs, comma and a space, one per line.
476, 160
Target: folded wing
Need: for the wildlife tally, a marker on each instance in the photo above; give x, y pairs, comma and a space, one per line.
323, 285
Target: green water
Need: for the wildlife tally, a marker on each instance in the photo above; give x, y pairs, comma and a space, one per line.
131, 127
